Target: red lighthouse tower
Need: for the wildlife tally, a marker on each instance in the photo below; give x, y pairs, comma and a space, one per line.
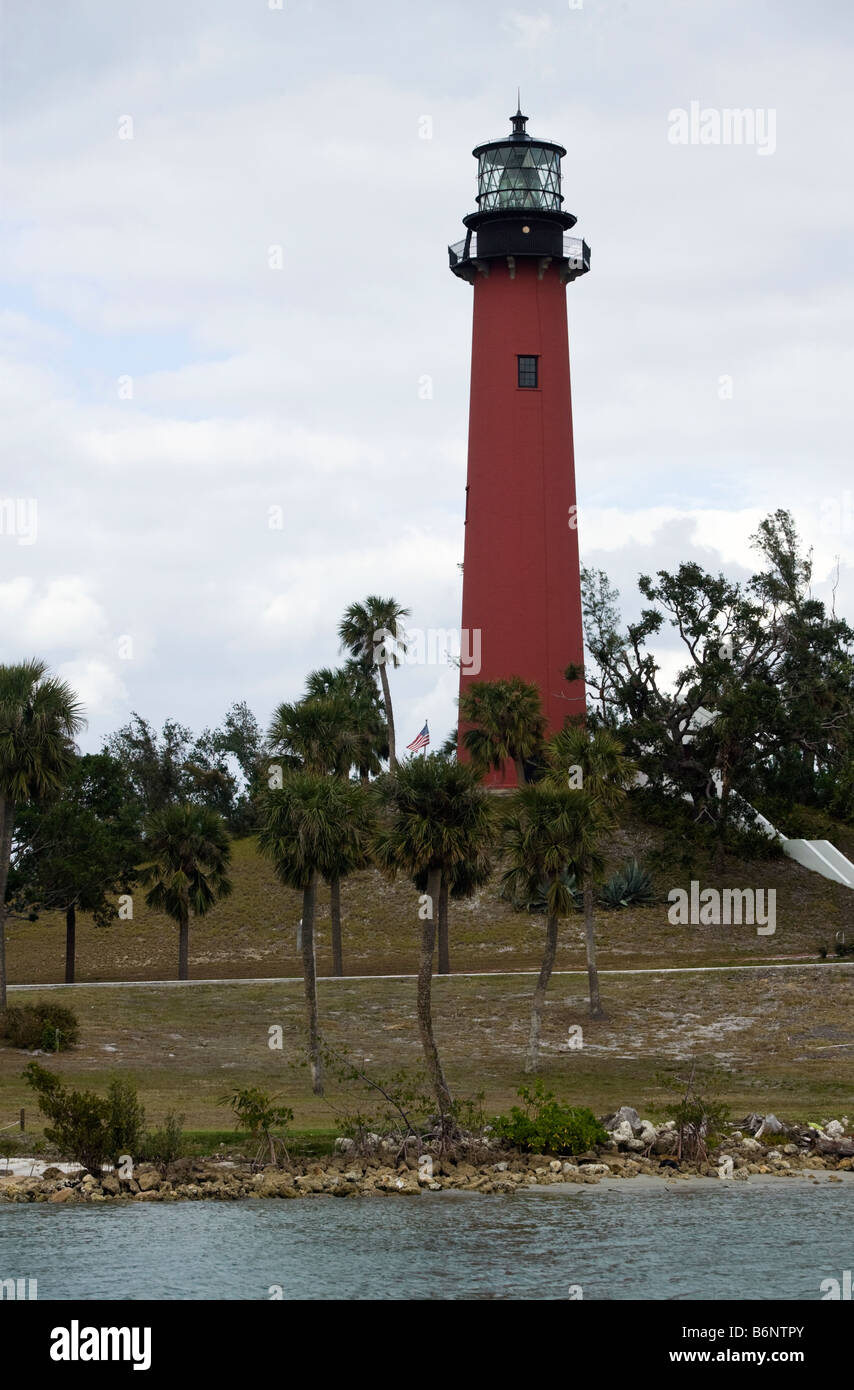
521, 585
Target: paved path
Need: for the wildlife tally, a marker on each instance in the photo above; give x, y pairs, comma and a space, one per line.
457, 974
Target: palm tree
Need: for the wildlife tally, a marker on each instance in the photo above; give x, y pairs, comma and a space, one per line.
548, 831
366, 719
346, 857
604, 775
309, 828
189, 852
437, 818
39, 718
461, 881
508, 724
319, 735
314, 734
373, 633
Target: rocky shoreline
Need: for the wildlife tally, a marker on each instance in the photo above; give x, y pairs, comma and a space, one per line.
382, 1167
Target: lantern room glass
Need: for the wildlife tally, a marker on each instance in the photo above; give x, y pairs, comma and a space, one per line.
518, 176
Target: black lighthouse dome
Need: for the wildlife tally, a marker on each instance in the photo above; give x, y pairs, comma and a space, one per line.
519, 208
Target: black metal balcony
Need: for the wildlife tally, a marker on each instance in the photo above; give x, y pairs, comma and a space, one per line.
463, 257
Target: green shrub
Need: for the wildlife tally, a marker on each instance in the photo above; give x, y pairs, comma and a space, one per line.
701, 1119
166, 1144
126, 1119
631, 884
255, 1110
90, 1128
544, 1125
80, 1119
49, 1027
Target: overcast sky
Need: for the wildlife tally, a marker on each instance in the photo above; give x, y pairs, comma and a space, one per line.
165, 384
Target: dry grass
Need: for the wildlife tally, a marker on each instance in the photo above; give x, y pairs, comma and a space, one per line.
785, 1038
253, 933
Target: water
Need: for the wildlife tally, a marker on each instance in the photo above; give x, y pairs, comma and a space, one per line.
745, 1241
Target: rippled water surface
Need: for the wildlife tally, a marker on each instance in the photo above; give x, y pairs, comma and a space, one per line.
774, 1240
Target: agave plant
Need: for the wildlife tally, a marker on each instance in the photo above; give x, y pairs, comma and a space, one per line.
629, 885
536, 899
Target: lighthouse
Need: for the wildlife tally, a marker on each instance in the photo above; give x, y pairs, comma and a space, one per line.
521, 583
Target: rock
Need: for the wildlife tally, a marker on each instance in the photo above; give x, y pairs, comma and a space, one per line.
111, 1184
148, 1182
626, 1114
636, 1145
834, 1130
623, 1133
751, 1145
62, 1194
52, 1173
665, 1143
344, 1145
309, 1182
88, 1183
555, 1165
750, 1122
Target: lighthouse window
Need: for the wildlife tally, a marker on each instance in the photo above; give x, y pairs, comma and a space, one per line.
527, 371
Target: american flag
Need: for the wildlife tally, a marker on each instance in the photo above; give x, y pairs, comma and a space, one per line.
420, 742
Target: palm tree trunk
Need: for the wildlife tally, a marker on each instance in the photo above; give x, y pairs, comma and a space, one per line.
519, 764
184, 947
540, 994
309, 975
590, 943
7, 821
444, 950
425, 1013
70, 942
335, 914
389, 717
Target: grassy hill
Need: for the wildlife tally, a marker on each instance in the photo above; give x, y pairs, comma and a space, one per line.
253, 933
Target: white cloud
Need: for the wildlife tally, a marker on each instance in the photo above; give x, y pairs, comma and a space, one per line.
528, 30
59, 614
99, 689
